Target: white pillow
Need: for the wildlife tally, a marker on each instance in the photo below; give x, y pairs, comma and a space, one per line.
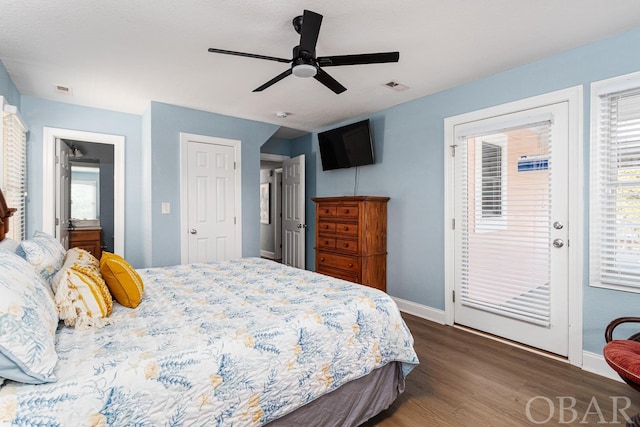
44, 253
9, 245
28, 321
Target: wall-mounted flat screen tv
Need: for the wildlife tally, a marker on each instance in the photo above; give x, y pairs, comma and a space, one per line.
346, 146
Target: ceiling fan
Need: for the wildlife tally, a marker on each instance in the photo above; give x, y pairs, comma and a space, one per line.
304, 62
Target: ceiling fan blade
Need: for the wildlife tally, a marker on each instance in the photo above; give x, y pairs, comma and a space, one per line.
249, 55
324, 78
311, 22
364, 58
274, 80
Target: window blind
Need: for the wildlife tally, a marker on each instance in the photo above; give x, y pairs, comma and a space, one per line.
14, 171
615, 196
505, 267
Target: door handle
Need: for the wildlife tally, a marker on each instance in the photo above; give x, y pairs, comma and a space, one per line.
558, 243
193, 231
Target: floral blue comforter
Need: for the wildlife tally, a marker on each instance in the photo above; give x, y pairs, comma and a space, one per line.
238, 343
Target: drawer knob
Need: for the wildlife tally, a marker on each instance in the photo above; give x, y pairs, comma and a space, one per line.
326, 242
350, 264
322, 259
346, 211
325, 227
346, 245
346, 228
326, 211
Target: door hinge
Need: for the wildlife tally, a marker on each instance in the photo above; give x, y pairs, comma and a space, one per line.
234, 220
453, 223
453, 295
234, 165
57, 159
57, 221
453, 150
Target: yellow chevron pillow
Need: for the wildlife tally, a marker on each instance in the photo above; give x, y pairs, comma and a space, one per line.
81, 295
123, 281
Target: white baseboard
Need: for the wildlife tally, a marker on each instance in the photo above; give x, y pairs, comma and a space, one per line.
267, 254
591, 362
420, 310
595, 363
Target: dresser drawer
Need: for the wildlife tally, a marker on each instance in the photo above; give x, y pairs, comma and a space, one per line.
345, 245
347, 211
339, 274
342, 262
326, 227
327, 210
350, 229
326, 243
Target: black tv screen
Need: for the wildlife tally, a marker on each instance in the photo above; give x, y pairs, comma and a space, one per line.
346, 146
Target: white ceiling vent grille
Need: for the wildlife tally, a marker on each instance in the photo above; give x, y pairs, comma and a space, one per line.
398, 87
63, 90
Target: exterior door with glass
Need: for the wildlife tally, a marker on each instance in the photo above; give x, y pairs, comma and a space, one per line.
511, 210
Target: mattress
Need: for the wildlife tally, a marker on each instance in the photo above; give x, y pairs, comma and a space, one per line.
242, 342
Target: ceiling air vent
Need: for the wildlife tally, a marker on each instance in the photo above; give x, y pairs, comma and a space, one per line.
398, 87
63, 90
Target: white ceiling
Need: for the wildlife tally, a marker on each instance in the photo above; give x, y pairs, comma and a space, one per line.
122, 54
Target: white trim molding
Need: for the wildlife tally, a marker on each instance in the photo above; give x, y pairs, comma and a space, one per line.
48, 178
420, 310
574, 98
595, 363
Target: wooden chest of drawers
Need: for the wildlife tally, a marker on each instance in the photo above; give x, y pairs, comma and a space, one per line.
87, 239
351, 239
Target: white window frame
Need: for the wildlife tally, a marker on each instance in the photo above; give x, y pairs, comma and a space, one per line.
599, 90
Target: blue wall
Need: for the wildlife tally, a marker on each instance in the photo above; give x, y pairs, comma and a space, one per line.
8, 88
167, 121
40, 113
409, 169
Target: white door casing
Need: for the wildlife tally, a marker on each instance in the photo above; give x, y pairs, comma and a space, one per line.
210, 193
63, 201
293, 212
574, 203
50, 192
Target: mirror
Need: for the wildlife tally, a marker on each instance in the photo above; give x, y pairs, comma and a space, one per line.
85, 190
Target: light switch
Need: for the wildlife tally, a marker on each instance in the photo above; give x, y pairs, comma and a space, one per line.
166, 208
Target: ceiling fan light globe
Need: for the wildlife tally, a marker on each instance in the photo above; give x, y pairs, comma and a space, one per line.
304, 70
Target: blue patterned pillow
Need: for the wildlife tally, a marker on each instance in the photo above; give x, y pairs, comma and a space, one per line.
44, 253
28, 322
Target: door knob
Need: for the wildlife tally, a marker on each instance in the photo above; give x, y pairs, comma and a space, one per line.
558, 243
558, 225
193, 231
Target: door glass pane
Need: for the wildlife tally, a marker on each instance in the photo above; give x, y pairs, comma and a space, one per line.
506, 217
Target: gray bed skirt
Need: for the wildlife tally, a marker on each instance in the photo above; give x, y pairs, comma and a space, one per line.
352, 404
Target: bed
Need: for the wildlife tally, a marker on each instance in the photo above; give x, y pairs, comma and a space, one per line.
241, 342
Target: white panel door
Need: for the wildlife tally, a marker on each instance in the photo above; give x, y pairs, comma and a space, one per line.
511, 249
63, 201
211, 202
293, 212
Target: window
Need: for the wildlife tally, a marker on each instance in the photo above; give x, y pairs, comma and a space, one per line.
490, 182
13, 167
615, 184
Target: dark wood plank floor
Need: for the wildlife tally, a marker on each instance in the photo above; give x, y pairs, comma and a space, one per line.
469, 380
